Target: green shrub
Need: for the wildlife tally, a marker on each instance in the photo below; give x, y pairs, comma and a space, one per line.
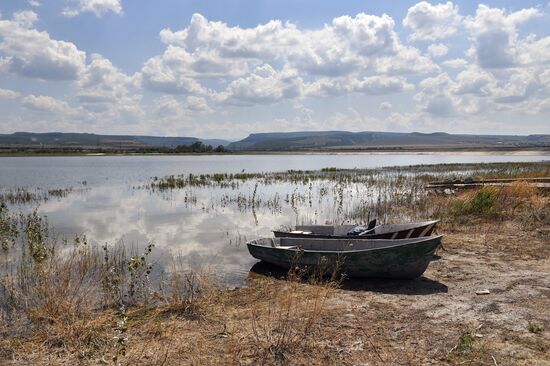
483, 202
535, 328
465, 342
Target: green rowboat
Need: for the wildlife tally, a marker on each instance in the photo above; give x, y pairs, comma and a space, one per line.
375, 258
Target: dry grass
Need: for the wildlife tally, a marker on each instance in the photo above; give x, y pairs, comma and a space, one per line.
293, 323
285, 330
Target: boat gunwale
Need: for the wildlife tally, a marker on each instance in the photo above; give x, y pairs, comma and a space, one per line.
420, 240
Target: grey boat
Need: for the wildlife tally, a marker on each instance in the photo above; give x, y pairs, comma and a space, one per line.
375, 258
386, 231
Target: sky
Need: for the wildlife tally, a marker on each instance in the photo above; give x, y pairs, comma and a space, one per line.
227, 68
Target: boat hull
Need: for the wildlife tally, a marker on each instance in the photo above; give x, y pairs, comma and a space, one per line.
398, 262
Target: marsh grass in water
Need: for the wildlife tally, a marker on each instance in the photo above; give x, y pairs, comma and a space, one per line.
340, 195
18, 196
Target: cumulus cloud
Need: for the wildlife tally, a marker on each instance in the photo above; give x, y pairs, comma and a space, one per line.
509, 73
170, 75
385, 106
31, 53
429, 22
455, 63
476, 81
373, 85
475, 90
169, 108
8, 94
105, 89
102, 82
437, 50
97, 7
494, 33
347, 47
42, 103
197, 104
25, 18
264, 86
434, 96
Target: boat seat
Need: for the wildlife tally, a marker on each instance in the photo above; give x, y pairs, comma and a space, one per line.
287, 246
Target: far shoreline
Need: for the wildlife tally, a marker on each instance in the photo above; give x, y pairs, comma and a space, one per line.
461, 152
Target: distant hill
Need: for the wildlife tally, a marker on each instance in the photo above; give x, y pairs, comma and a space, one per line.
90, 140
279, 141
334, 140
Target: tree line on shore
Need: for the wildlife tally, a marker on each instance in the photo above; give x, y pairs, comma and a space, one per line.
197, 147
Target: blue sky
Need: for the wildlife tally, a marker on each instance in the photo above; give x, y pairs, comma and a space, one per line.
228, 68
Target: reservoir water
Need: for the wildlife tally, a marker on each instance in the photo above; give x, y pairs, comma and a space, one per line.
109, 202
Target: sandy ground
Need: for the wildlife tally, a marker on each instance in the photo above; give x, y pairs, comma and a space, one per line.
426, 317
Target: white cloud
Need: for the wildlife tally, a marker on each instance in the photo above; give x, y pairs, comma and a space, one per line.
197, 104
496, 43
42, 103
437, 50
31, 53
476, 90
509, 75
372, 85
385, 106
98, 7
433, 97
25, 18
264, 86
431, 22
169, 108
169, 74
264, 41
102, 82
34, 3
437, 97
408, 60
8, 94
104, 89
474, 80
455, 63
360, 46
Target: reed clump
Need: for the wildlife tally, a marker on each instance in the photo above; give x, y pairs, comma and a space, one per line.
520, 201
483, 202
20, 196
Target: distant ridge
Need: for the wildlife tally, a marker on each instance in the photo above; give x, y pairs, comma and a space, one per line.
335, 140
94, 141
279, 141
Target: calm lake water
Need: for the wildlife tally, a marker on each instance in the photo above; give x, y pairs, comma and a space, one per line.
200, 226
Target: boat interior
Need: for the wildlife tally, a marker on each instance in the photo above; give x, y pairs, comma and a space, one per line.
335, 245
342, 230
